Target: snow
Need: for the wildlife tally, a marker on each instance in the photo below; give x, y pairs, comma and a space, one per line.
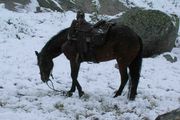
25, 97
31, 7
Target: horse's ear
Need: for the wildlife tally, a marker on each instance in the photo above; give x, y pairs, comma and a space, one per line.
37, 54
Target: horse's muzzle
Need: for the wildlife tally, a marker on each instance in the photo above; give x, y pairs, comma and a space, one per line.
44, 79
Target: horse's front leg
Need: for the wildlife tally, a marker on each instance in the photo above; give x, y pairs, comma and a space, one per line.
73, 89
74, 74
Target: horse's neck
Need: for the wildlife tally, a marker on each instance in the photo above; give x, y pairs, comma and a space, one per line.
52, 48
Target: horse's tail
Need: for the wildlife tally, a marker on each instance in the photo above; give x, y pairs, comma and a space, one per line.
136, 64
139, 56
135, 71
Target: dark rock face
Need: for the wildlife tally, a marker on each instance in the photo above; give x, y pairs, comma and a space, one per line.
50, 5
111, 7
106, 6
157, 29
14, 4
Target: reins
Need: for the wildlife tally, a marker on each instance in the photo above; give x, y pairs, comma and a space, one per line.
53, 88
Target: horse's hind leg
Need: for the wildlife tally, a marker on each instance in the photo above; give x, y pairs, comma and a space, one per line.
74, 74
134, 69
124, 77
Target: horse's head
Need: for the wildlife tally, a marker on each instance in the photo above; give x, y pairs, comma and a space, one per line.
45, 67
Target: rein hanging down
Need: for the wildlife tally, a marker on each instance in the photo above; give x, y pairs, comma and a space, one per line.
53, 88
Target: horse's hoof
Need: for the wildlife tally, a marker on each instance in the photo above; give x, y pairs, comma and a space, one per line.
69, 94
115, 92
81, 94
116, 95
132, 98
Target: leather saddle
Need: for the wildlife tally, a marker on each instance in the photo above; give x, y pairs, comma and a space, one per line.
88, 37
99, 32
92, 34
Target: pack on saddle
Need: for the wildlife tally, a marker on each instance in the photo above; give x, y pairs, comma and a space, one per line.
87, 36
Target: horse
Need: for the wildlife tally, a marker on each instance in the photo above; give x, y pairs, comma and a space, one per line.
122, 44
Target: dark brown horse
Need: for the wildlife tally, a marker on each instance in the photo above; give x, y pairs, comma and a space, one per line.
121, 44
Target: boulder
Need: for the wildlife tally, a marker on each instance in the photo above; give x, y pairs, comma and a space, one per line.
157, 29
170, 58
173, 115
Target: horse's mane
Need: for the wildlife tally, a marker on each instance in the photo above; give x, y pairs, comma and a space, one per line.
55, 41
62, 32
55, 37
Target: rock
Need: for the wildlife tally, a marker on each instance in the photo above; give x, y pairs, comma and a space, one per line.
111, 7
106, 6
15, 4
170, 58
116, 66
173, 115
157, 29
50, 5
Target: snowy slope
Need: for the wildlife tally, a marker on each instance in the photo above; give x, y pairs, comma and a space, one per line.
25, 97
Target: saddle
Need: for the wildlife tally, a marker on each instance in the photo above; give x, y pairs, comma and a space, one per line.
88, 37
99, 32
93, 34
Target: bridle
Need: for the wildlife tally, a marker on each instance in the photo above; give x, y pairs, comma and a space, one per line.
52, 87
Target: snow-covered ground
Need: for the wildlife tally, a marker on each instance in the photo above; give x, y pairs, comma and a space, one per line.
24, 97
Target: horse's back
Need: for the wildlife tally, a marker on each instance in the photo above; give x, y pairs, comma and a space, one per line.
124, 32
123, 35
124, 41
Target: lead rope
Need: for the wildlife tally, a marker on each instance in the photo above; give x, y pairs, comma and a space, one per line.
53, 88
